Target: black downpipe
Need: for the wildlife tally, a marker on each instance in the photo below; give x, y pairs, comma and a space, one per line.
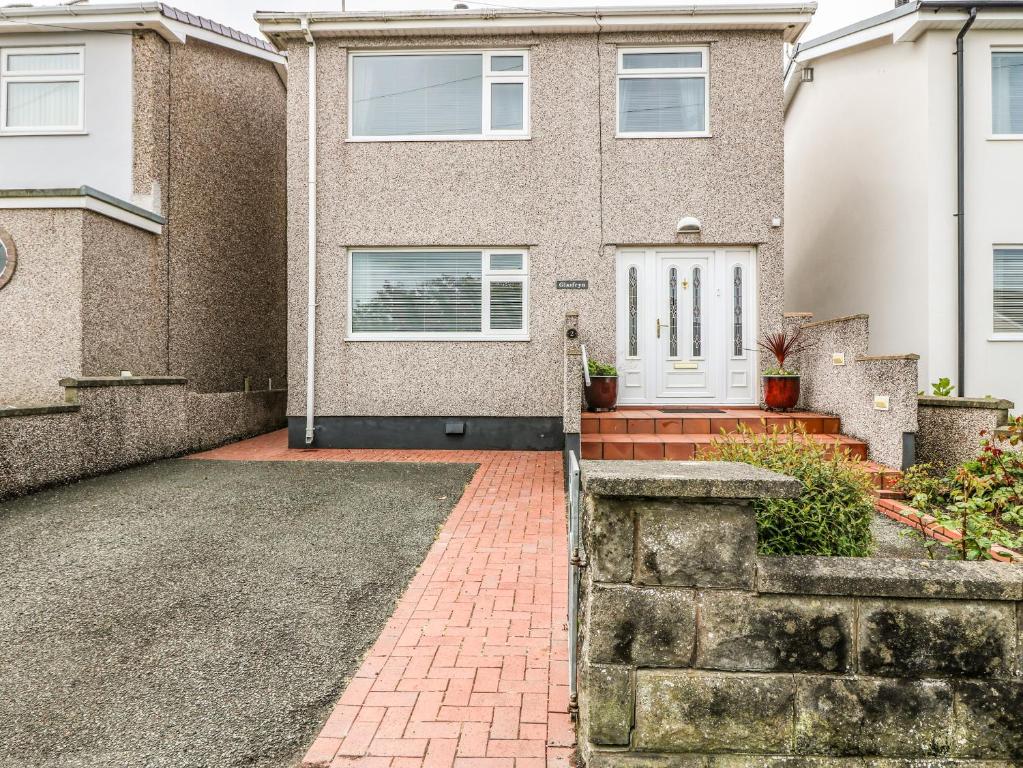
961, 195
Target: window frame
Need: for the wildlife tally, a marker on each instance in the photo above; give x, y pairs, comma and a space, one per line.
1001, 335
489, 78
993, 136
7, 273
42, 76
688, 73
488, 276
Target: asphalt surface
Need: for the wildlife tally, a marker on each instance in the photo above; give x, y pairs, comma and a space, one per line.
201, 613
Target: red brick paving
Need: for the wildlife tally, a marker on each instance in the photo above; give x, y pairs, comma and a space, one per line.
471, 669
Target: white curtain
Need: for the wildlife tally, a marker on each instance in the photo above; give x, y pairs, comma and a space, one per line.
661, 105
42, 105
1008, 297
417, 292
1007, 90
417, 95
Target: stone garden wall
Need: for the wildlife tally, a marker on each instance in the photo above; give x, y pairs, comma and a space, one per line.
697, 652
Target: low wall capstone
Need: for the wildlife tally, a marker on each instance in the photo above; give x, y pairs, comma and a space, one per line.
697, 652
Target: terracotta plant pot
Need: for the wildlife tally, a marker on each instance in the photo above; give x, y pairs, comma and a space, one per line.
781, 393
602, 393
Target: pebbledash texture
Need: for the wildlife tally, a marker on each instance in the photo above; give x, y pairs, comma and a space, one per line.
951, 427
696, 652
572, 193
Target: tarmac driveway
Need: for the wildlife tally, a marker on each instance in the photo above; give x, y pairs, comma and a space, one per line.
201, 613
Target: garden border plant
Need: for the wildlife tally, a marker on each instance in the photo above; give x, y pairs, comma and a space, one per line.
975, 511
833, 514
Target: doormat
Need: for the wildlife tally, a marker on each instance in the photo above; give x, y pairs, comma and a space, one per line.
690, 410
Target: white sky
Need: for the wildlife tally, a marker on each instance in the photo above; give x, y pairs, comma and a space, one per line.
831, 14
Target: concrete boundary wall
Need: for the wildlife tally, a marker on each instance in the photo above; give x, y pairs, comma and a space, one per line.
113, 423
950, 427
848, 389
697, 652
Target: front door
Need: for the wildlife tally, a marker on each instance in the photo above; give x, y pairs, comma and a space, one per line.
685, 326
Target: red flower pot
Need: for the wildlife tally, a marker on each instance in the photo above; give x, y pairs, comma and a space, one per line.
602, 393
781, 393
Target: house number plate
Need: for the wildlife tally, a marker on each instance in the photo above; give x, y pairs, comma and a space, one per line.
572, 285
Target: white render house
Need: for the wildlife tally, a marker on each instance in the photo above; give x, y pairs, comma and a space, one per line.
874, 160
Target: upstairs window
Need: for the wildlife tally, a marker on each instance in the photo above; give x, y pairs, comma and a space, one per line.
1007, 93
1008, 292
439, 96
662, 92
42, 90
438, 295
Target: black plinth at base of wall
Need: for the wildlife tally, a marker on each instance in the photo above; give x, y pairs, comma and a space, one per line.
473, 433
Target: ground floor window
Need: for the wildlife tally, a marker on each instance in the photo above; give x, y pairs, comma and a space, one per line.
438, 294
1008, 291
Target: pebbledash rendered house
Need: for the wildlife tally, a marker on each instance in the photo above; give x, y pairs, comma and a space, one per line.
461, 182
142, 201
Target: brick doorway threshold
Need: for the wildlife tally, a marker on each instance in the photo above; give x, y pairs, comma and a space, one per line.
471, 669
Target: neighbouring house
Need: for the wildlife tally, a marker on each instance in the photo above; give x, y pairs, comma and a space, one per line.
475, 176
876, 220
142, 200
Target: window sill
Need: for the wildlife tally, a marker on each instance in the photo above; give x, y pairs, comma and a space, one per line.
43, 133
433, 337
1006, 337
1005, 137
407, 139
701, 135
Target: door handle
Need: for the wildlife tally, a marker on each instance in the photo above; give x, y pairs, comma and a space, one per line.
659, 326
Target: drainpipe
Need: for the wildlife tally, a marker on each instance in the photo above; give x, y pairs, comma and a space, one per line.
961, 196
310, 349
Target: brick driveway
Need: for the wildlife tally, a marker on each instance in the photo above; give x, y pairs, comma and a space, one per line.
471, 670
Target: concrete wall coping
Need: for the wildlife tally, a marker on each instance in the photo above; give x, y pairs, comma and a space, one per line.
85, 191
873, 358
986, 403
7, 411
122, 381
686, 479
880, 577
836, 320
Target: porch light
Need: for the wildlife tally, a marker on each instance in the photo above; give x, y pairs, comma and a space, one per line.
689, 225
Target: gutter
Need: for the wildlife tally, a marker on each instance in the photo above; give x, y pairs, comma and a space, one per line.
961, 198
310, 348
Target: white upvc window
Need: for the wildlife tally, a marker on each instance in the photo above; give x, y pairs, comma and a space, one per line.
438, 95
1007, 299
663, 92
42, 90
1007, 93
438, 294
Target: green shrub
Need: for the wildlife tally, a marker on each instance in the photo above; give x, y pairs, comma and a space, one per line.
831, 517
602, 369
982, 498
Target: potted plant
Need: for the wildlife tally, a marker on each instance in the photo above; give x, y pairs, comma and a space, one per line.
602, 391
781, 384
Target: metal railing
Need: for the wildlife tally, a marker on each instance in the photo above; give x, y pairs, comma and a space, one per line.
576, 560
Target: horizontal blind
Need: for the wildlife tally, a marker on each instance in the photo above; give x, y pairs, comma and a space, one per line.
42, 105
417, 95
506, 306
663, 60
506, 106
661, 105
417, 292
1007, 92
1008, 298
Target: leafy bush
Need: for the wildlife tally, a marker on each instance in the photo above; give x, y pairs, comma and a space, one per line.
942, 387
832, 515
982, 498
602, 369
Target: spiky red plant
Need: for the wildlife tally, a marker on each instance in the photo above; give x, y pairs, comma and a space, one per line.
783, 344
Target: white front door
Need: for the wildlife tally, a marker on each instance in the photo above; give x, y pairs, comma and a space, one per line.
685, 326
